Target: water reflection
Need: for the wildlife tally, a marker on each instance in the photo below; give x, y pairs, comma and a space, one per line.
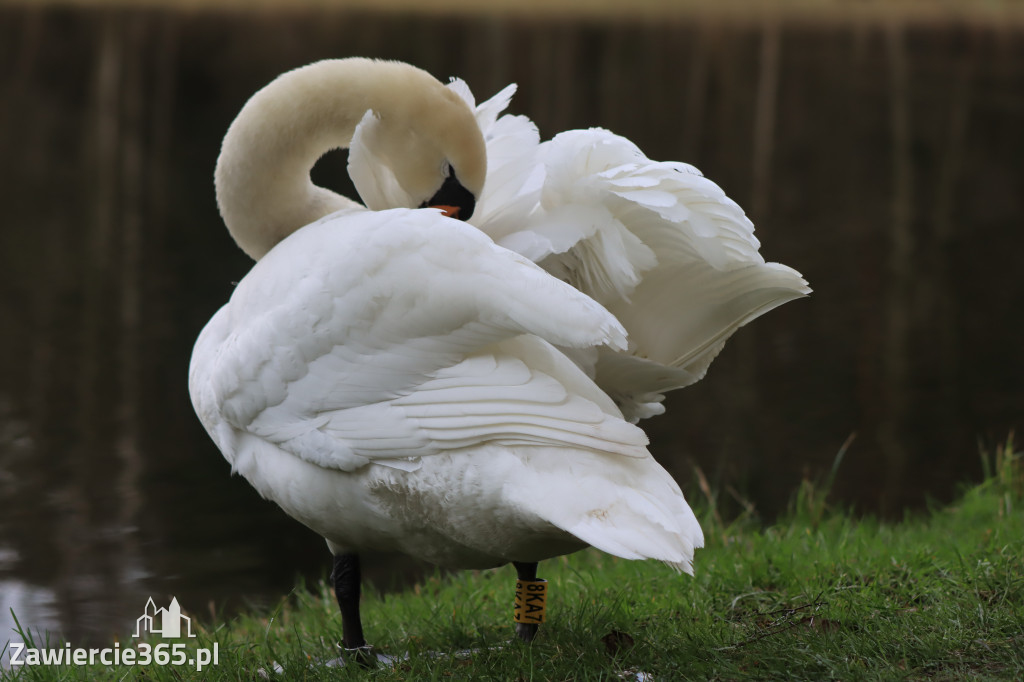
884, 163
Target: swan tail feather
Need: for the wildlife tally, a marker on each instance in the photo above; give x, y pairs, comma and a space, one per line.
633, 509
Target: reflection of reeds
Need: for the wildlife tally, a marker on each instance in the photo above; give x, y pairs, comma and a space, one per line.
100, 178
132, 170
901, 267
764, 117
695, 102
941, 297
88, 312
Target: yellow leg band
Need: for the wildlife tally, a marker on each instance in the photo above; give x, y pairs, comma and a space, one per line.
531, 601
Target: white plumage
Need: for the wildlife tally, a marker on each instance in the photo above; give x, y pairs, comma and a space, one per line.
389, 376
396, 379
661, 246
658, 244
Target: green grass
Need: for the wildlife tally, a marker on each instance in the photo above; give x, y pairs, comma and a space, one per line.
818, 595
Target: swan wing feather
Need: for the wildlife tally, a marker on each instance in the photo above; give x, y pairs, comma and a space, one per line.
403, 334
370, 171
657, 243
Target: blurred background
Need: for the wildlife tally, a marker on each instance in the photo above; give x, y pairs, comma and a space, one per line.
878, 147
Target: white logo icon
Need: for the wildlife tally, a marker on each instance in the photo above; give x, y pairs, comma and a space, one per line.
163, 622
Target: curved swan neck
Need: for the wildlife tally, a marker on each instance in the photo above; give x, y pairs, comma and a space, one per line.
264, 191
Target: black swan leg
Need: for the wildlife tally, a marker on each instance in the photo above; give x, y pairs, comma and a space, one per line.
347, 580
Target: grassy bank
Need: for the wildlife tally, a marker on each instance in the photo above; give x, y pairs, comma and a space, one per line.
819, 595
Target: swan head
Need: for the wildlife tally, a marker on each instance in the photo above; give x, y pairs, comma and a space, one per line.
413, 143
419, 147
453, 197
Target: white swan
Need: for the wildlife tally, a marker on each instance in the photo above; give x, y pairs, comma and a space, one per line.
395, 380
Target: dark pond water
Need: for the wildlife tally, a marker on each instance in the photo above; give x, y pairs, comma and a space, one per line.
885, 163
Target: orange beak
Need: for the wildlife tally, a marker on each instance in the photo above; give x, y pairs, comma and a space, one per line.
450, 211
